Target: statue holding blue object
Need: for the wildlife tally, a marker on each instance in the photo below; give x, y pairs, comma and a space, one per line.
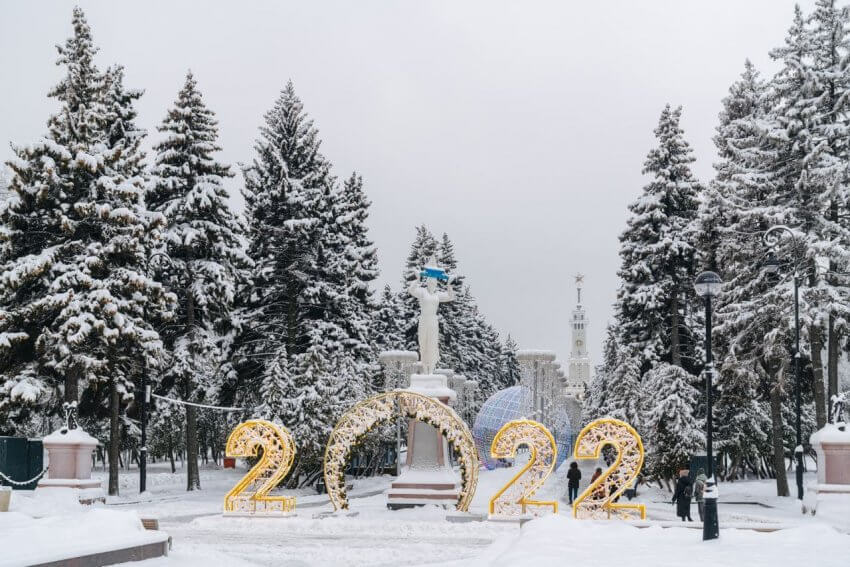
433, 272
429, 300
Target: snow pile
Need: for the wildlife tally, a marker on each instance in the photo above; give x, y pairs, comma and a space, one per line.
51, 525
70, 436
556, 540
831, 433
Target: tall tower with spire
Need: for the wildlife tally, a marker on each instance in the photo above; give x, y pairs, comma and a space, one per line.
579, 371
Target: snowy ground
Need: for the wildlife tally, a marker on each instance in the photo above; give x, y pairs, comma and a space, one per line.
374, 536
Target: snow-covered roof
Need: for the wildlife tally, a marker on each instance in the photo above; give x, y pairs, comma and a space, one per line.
535, 354
67, 436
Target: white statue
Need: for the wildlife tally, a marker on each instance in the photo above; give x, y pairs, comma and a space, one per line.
429, 300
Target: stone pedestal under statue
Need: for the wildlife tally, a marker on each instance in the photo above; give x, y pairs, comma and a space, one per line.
830, 496
69, 453
428, 477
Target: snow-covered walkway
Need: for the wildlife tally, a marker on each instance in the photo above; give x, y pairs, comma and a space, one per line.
371, 535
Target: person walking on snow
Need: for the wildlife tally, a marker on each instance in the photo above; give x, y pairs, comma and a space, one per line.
573, 476
599, 493
682, 495
699, 491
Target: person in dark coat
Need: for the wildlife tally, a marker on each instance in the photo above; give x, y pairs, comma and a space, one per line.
573, 477
599, 493
683, 494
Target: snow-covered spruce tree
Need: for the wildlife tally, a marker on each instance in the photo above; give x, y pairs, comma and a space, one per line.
358, 262
739, 191
204, 260
596, 401
310, 299
668, 423
471, 345
827, 183
40, 230
623, 396
283, 191
753, 311
77, 301
5, 182
102, 335
510, 371
657, 251
742, 423
386, 332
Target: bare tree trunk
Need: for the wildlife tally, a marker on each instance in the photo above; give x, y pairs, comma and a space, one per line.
171, 452
817, 374
832, 361
675, 353
777, 437
193, 478
72, 384
114, 438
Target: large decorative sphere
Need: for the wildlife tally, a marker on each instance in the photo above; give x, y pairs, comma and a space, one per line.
504, 406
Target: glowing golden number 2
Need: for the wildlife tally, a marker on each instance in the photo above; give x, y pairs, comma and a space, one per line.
250, 495
513, 499
599, 500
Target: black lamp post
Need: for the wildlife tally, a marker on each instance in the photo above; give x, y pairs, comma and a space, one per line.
772, 266
707, 286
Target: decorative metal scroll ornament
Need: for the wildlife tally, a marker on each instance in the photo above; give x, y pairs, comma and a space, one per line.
250, 495
514, 499
598, 501
365, 415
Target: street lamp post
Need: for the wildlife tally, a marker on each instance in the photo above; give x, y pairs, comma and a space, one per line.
772, 266
707, 286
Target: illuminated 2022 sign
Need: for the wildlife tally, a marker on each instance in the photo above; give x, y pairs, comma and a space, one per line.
514, 499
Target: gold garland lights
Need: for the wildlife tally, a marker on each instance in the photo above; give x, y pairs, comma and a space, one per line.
513, 499
598, 501
250, 495
365, 415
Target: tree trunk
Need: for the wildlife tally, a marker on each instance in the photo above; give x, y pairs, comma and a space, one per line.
675, 354
193, 479
72, 384
832, 363
777, 437
114, 438
171, 453
817, 374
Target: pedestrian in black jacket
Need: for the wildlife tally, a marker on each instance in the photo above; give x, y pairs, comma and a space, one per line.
683, 494
573, 476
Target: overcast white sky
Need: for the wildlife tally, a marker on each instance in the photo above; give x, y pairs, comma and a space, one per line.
519, 128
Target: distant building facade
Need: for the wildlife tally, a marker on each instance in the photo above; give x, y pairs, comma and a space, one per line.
578, 374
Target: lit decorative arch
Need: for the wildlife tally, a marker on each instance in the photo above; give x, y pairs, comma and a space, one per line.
250, 495
365, 415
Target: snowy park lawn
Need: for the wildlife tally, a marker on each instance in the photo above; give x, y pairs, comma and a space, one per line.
51, 525
556, 540
371, 535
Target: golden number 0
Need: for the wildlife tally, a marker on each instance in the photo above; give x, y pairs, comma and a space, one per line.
598, 501
513, 499
250, 495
